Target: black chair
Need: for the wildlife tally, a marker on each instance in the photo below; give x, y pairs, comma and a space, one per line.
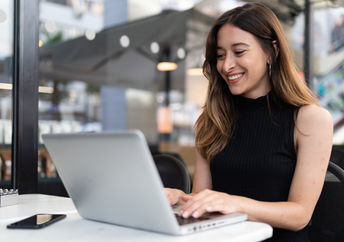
337, 155
173, 172
328, 218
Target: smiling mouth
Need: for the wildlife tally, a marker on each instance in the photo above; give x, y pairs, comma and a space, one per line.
234, 78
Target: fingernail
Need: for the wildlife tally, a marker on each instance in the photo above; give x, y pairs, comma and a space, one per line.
181, 212
208, 209
185, 214
195, 214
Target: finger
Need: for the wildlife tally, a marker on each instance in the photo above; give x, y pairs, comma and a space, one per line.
186, 198
170, 200
200, 211
214, 202
220, 206
197, 207
207, 205
191, 209
195, 198
171, 196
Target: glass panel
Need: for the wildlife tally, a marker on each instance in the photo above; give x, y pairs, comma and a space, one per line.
6, 53
98, 69
66, 104
99, 72
328, 61
329, 65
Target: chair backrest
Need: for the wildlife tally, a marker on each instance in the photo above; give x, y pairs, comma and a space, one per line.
173, 172
328, 217
337, 155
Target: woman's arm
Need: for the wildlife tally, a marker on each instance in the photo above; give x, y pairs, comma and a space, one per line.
313, 137
201, 181
202, 176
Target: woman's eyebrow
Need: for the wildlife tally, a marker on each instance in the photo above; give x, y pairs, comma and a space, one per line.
239, 44
234, 45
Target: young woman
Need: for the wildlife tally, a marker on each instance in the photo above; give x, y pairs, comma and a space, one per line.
263, 143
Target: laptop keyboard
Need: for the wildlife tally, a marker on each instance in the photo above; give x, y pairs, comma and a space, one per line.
181, 220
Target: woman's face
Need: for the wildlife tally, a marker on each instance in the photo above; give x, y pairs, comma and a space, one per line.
241, 62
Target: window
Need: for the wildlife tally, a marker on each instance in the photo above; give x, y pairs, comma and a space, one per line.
6, 53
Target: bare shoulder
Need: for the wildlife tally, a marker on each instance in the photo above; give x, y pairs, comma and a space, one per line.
313, 136
312, 116
313, 122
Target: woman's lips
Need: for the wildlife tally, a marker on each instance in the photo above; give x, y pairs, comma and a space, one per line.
234, 78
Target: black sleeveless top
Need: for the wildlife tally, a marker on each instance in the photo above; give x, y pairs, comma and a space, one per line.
259, 159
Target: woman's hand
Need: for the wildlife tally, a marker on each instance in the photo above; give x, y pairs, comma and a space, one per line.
208, 201
174, 195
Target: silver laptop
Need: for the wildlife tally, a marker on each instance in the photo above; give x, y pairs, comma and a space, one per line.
111, 177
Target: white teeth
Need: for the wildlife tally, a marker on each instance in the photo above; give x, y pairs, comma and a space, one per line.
234, 77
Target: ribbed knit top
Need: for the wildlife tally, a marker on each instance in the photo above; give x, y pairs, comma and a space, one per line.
259, 159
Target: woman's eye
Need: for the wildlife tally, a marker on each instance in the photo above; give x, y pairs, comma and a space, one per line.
219, 56
239, 52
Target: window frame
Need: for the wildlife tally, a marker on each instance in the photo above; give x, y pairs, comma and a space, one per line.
25, 97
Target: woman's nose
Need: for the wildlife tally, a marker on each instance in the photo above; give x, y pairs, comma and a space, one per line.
228, 64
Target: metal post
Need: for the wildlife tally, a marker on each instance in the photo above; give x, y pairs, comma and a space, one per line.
25, 97
167, 87
167, 56
308, 53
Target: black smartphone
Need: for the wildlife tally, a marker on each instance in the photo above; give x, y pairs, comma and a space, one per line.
36, 221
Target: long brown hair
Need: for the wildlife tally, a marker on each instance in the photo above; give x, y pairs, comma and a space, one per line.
214, 126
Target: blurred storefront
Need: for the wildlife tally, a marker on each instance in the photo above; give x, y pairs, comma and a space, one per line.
328, 60
98, 67
6, 43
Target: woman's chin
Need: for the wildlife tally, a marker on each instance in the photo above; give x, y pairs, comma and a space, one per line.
235, 91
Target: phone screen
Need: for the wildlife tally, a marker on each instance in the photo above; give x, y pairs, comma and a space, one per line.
36, 221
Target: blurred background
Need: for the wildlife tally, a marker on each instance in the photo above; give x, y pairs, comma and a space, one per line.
132, 64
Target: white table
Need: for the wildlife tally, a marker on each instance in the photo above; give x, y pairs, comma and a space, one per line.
75, 228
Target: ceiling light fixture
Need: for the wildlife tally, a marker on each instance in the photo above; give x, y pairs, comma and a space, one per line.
167, 66
124, 41
195, 72
41, 89
154, 47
